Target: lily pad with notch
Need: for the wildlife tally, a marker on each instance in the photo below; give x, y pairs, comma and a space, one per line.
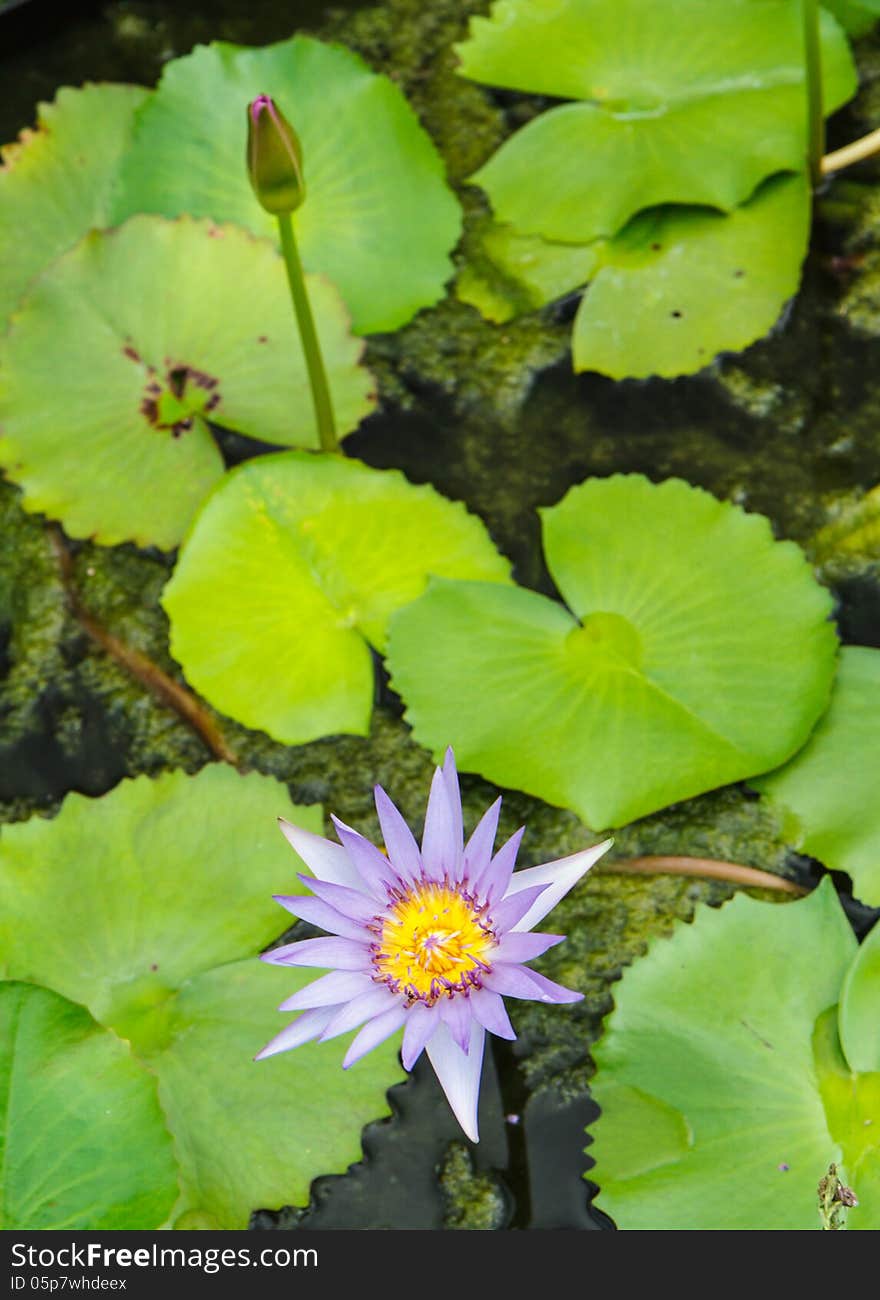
679, 101
723, 1087
291, 572
126, 347
677, 181
378, 219
705, 282
668, 677
140, 915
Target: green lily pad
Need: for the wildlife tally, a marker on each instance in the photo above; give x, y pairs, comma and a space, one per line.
117, 878
852, 1104
515, 273
655, 175
125, 348
296, 1115
669, 678
705, 283
56, 181
148, 906
378, 219
727, 1032
291, 572
860, 1008
83, 1143
830, 787
687, 101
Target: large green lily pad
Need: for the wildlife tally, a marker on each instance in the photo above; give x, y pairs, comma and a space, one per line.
723, 1092
144, 941
378, 219
663, 185
148, 907
704, 283
297, 1115
682, 101
860, 1007
83, 1143
670, 676
830, 787
290, 574
56, 181
128, 345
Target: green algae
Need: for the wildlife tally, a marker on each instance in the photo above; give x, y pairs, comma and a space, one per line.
474, 1202
32, 613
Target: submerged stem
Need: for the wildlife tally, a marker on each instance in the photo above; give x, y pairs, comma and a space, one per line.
858, 151
165, 688
663, 865
311, 347
815, 113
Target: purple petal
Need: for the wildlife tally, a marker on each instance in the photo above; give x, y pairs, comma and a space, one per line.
343, 954
352, 903
459, 1073
478, 850
496, 877
553, 992
303, 1030
513, 982
317, 912
328, 990
421, 1022
375, 1000
399, 839
558, 876
517, 947
440, 848
519, 982
511, 909
489, 1009
373, 1033
326, 860
375, 871
455, 1013
453, 793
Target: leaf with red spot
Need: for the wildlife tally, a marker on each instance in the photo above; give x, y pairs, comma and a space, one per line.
126, 348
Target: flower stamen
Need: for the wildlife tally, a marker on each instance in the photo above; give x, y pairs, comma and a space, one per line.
433, 942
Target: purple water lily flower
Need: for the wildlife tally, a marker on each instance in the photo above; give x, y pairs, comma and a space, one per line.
425, 940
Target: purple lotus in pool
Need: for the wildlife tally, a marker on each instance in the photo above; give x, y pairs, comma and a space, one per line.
428, 940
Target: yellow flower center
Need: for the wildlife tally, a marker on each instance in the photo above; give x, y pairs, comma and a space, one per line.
433, 941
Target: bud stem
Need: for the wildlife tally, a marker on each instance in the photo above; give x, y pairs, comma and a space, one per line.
308, 334
815, 113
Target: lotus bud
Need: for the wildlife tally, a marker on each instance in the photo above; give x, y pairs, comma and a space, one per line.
274, 157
